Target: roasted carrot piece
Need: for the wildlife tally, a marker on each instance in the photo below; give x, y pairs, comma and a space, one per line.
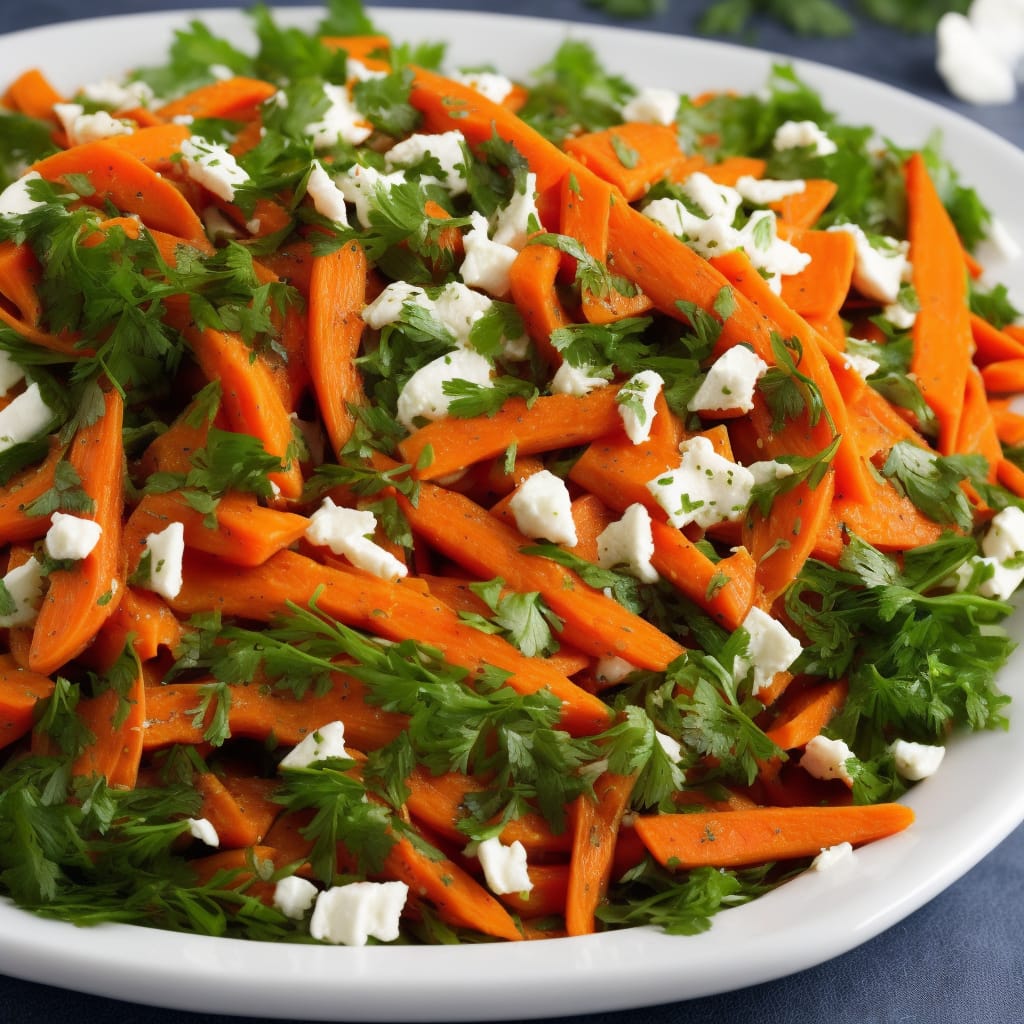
992, 345
117, 745
231, 98
1005, 377
155, 145
595, 831
806, 713
977, 428
80, 599
19, 276
591, 516
234, 828
942, 330
32, 94
738, 838
143, 616
19, 492
730, 170
550, 422
803, 209
127, 183
385, 609
546, 898
820, 289
532, 279
337, 291
358, 47
20, 691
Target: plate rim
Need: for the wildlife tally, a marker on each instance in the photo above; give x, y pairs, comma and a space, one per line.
615, 965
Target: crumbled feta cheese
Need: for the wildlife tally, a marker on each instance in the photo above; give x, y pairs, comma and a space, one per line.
762, 191
71, 537
971, 68
771, 648
113, 94
1002, 548
221, 72
832, 857
864, 365
573, 380
349, 915
612, 669
387, 307
705, 489
82, 127
916, 761
636, 400
998, 246
217, 226
491, 86
458, 308
826, 759
505, 867
203, 830
349, 532
880, 265
15, 200
212, 166
714, 199
447, 148
359, 186
652, 106
423, 396
25, 418
166, 554
328, 199
798, 134
671, 746
293, 896
341, 121
487, 263
11, 372
768, 470
515, 221
66, 114
629, 543
359, 72
730, 382
899, 316
323, 744
24, 585
543, 509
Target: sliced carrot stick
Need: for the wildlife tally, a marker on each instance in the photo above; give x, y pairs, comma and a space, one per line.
127, 183
553, 421
19, 492
820, 289
805, 714
234, 828
532, 284
337, 292
992, 345
143, 616
385, 609
19, 276
232, 98
732, 168
977, 432
1009, 424
117, 748
358, 47
738, 838
547, 897
1011, 477
942, 330
1005, 377
20, 691
66, 342
595, 831
32, 94
80, 599
802, 209
591, 517
154, 145
618, 472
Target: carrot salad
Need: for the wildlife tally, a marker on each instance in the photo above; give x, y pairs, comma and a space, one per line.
440, 508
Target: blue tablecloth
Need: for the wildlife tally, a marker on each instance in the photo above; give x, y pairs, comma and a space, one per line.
960, 958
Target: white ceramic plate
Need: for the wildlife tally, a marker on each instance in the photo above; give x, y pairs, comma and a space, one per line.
962, 813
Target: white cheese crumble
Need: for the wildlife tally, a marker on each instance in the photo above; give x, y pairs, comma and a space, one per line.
487, 263
916, 761
612, 669
762, 191
514, 221
360, 184
505, 867
350, 915
341, 121
641, 390
349, 532
880, 264
447, 148
15, 200
543, 509
82, 127
322, 744
71, 537
652, 106
118, 96
672, 747
771, 649
24, 585
328, 199
293, 896
864, 365
1002, 549
826, 759
705, 488
423, 396
25, 418
629, 544
832, 857
203, 830
730, 382
166, 554
574, 380
491, 86
799, 134
212, 166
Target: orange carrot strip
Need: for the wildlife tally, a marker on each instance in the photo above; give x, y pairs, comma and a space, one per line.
234, 827
143, 616
116, 750
730, 170
1005, 377
19, 492
155, 145
358, 47
1011, 477
808, 712
32, 94
231, 98
80, 599
820, 289
65, 342
546, 898
650, 152
554, 421
20, 691
977, 427
802, 209
942, 330
992, 345
591, 517
19, 277
738, 838
474, 539
389, 610
532, 285
1009, 424
595, 830
337, 293
123, 180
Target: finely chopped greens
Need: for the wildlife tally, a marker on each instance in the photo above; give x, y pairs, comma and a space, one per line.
353, 369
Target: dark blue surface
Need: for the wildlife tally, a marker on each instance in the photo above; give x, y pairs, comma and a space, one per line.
959, 959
